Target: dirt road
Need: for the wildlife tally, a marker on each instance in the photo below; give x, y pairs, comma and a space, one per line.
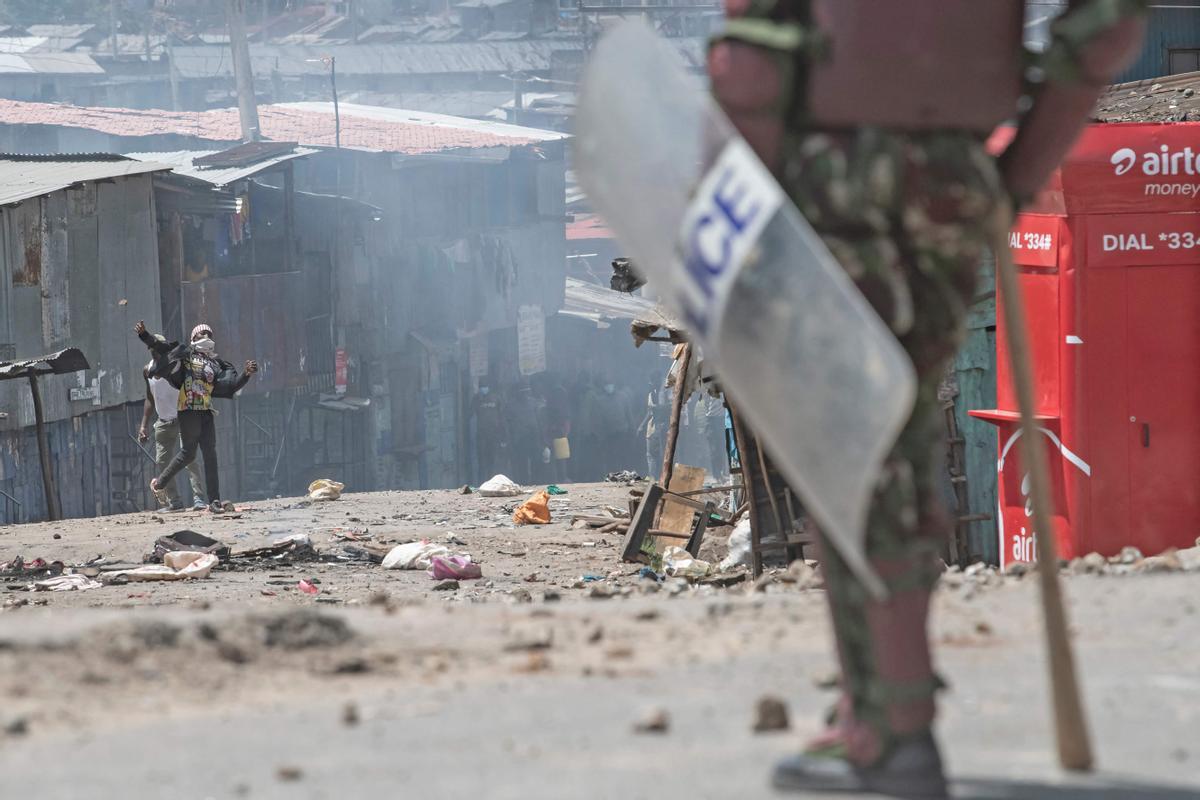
529, 682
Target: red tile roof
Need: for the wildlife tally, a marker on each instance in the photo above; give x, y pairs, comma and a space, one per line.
587, 226
387, 130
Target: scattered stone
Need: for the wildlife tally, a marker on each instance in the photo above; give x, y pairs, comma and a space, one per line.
532, 577
350, 716
536, 661
352, 666
763, 581
303, 629
17, 727
466, 489
1095, 563
1128, 555
551, 596
983, 629
1189, 558
520, 595
770, 714
446, 586
828, 681
595, 635
619, 653
975, 569
676, 586
647, 615
1168, 561
289, 774
655, 721
801, 575
57, 536
722, 580
1017, 569
531, 639
233, 653
601, 592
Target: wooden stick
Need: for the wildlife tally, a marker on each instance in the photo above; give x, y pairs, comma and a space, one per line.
53, 508
685, 360
1074, 743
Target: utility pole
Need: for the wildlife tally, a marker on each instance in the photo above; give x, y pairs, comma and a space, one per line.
337, 114
112, 27
235, 17
172, 72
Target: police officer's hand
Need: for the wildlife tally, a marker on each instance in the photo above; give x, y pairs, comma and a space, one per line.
251, 367
140, 328
143, 435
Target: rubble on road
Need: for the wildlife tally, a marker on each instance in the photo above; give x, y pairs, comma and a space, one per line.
654, 721
770, 715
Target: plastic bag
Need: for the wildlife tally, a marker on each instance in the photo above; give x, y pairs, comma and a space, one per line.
739, 547
414, 555
460, 568
325, 489
66, 583
500, 486
679, 563
534, 511
176, 566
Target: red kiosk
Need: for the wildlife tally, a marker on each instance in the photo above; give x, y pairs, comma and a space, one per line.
1109, 263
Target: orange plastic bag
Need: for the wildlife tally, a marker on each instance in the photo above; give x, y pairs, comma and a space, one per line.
534, 511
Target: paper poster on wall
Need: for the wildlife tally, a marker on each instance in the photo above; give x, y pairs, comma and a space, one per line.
479, 355
531, 340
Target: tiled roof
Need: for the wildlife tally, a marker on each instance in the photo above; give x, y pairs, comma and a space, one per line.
363, 127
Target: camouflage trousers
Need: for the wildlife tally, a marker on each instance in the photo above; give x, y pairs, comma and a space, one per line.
907, 216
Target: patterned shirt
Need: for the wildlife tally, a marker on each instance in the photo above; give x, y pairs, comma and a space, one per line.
201, 373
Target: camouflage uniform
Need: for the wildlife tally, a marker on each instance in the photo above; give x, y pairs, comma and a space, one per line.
907, 216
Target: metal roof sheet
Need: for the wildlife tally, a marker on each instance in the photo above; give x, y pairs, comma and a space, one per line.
49, 64
23, 177
61, 31
182, 162
597, 303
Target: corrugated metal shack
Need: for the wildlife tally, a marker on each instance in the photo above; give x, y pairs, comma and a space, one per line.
470, 235
416, 247
79, 253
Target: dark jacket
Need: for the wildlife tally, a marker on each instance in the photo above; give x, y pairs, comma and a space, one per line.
170, 358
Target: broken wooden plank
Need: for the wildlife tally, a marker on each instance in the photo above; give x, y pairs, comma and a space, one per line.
677, 514
639, 524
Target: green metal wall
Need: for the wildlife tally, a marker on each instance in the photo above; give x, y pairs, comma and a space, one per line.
975, 369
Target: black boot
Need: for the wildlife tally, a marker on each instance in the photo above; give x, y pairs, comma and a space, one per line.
912, 770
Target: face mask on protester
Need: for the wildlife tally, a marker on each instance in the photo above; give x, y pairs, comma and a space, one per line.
206, 346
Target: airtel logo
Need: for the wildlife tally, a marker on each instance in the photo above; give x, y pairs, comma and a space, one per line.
1163, 162
1123, 160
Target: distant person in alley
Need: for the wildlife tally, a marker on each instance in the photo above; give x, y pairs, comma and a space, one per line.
199, 375
162, 399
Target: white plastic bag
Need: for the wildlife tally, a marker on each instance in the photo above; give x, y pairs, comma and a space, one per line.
325, 489
500, 486
739, 547
66, 583
176, 566
414, 555
679, 563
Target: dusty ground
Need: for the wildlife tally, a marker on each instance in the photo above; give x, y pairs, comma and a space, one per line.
242, 686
